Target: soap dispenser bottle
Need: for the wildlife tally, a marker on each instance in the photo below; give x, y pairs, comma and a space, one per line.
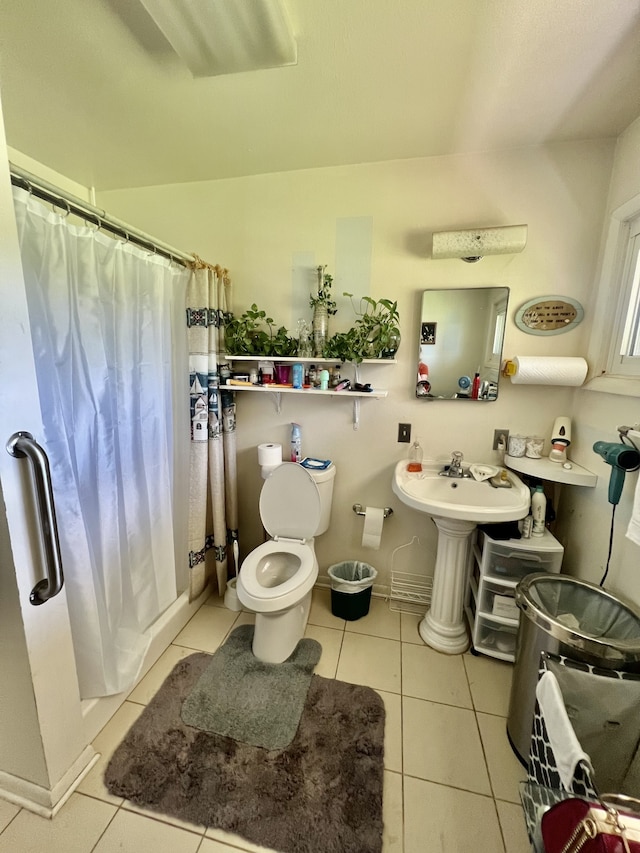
415, 458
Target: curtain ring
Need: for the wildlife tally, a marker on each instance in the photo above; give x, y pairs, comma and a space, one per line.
93, 226
57, 206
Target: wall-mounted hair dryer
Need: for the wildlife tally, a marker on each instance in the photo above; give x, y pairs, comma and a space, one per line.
622, 458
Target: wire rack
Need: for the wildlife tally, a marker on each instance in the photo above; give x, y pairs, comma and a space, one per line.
410, 591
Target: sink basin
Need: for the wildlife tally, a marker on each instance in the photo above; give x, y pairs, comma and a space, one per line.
464, 499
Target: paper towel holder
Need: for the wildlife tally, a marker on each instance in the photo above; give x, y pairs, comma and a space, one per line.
359, 510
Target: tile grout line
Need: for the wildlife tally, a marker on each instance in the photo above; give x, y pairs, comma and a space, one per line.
404, 830
20, 809
105, 829
484, 755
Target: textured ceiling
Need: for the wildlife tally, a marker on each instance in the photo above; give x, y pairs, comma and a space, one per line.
92, 89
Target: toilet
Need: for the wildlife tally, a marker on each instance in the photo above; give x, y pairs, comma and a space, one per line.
276, 579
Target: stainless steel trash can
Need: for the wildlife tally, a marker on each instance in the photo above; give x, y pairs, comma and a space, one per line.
570, 617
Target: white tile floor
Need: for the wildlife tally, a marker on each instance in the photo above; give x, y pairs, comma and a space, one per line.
451, 780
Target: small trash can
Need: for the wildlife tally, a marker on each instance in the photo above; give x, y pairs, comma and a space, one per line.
569, 617
351, 584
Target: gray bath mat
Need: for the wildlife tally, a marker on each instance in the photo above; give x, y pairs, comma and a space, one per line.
323, 794
257, 703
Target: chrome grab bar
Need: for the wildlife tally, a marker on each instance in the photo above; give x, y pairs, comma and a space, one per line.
23, 444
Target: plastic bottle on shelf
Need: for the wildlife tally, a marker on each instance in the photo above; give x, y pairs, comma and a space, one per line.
296, 443
313, 375
415, 457
475, 387
538, 511
297, 372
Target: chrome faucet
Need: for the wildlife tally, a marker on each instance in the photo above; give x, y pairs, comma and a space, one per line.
455, 467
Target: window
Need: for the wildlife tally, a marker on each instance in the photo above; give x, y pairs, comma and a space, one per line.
624, 358
495, 336
614, 351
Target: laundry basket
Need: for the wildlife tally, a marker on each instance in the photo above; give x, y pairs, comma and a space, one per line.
571, 618
601, 714
351, 585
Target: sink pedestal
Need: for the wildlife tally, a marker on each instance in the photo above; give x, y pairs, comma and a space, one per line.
443, 627
457, 505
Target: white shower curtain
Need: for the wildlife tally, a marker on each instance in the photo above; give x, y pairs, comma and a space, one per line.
107, 321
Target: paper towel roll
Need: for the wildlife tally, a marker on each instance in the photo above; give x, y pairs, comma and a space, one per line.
269, 454
372, 533
549, 370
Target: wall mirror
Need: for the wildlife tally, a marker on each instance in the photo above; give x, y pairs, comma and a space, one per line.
460, 343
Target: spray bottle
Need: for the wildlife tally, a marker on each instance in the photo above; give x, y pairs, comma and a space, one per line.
296, 443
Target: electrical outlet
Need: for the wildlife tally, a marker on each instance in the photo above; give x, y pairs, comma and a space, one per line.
496, 437
404, 433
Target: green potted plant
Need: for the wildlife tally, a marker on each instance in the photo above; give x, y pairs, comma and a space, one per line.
245, 335
323, 306
281, 343
375, 334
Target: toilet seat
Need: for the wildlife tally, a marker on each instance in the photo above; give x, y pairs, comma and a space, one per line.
268, 599
290, 510
290, 504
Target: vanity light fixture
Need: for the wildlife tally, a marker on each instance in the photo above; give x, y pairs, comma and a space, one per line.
216, 37
474, 244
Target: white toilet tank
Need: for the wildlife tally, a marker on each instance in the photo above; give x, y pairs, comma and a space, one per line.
324, 481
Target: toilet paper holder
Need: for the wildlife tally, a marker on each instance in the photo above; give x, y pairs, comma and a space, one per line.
359, 510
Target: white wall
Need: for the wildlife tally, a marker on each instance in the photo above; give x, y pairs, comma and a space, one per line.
586, 514
259, 226
17, 158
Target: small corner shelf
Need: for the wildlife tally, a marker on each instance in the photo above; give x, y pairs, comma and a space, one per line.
554, 472
277, 391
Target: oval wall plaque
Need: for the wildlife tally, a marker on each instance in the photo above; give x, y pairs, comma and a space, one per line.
549, 315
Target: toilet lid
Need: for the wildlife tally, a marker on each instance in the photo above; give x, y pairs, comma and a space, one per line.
290, 503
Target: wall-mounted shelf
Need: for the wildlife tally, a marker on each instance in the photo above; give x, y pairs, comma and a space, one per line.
277, 391
308, 392
292, 359
554, 472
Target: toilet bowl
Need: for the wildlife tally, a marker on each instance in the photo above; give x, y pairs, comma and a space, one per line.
277, 578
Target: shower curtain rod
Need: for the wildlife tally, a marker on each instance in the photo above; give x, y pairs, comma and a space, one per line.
72, 204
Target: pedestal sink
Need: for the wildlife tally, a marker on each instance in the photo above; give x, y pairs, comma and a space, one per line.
457, 505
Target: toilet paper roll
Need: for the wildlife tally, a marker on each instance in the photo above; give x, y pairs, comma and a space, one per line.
372, 533
269, 455
549, 370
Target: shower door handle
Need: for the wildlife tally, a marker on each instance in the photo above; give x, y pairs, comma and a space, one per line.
21, 445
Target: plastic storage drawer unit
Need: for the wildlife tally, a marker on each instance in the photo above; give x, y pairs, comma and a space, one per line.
496, 569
